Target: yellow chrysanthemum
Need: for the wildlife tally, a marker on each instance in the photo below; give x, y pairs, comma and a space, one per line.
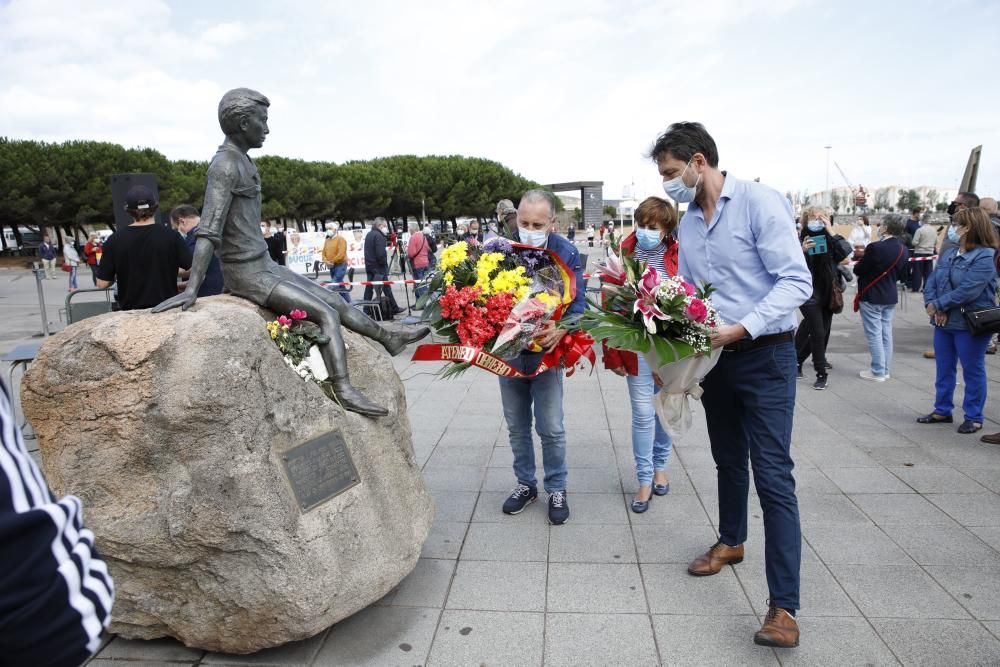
521, 292
486, 265
453, 255
449, 277
511, 280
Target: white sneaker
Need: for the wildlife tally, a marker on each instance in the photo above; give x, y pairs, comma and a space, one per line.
868, 375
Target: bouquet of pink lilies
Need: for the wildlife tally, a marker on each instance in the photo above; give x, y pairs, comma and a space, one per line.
668, 320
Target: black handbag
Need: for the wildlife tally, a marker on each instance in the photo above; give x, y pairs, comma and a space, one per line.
982, 322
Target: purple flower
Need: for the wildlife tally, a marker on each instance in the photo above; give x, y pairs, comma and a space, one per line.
498, 244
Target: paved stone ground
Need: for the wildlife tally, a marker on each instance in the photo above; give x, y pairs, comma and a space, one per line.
901, 538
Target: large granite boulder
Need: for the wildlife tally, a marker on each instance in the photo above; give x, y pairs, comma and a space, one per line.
172, 429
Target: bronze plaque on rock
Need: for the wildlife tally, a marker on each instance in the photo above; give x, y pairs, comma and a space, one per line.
319, 469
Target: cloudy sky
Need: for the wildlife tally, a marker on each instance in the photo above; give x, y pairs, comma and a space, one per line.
558, 91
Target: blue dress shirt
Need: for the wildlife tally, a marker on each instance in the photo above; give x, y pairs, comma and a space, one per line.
750, 254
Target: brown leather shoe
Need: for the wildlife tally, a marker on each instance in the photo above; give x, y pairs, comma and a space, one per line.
991, 439
712, 560
779, 630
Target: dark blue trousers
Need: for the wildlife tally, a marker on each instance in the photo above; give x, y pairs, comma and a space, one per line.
749, 400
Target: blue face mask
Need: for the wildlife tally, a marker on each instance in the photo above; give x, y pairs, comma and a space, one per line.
815, 225
678, 191
647, 238
953, 235
535, 239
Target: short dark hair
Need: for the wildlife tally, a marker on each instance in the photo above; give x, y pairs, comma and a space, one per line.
915, 210
658, 211
142, 213
971, 198
682, 141
183, 211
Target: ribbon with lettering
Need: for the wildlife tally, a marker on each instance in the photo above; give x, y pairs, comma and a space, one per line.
571, 349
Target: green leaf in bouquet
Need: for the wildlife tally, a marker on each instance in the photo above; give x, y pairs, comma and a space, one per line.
668, 351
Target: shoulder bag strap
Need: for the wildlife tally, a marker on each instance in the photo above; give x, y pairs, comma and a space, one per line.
884, 274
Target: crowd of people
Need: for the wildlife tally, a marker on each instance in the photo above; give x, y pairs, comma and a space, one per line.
741, 237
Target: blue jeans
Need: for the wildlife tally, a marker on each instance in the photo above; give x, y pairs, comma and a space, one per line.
72, 277
651, 445
337, 274
418, 274
749, 401
546, 393
876, 319
959, 345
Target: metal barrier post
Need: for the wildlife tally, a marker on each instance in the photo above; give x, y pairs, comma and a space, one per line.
39, 277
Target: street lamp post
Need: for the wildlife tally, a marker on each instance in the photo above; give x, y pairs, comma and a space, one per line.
828, 197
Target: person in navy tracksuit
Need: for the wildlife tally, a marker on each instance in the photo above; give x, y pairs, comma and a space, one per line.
55, 591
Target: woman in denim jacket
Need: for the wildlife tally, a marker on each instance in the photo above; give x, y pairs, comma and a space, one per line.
964, 279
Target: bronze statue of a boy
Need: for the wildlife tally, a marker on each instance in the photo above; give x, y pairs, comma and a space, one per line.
230, 225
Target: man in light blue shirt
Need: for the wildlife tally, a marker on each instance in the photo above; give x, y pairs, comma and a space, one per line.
740, 237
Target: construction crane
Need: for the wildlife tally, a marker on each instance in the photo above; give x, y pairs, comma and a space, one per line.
859, 194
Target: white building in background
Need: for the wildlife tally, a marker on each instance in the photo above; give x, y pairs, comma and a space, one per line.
929, 195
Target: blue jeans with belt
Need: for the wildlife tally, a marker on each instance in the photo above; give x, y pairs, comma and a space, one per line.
749, 401
651, 445
544, 393
951, 346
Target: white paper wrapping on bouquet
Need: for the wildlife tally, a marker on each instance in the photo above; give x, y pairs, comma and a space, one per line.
317, 365
681, 381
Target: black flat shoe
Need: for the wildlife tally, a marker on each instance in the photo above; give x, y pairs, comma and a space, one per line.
934, 418
639, 506
969, 426
661, 489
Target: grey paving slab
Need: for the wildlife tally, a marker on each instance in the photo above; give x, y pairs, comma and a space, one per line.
446, 456
469, 437
971, 509
815, 481
591, 457
865, 480
987, 477
977, 588
575, 543
836, 642
988, 534
942, 545
938, 480
820, 594
830, 509
510, 542
598, 640
906, 456
592, 480
578, 436
671, 590
380, 636
426, 586
911, 509
294, 653
444, 540
595, 588
939, 642
456, 506
894, 591
710, 640
488, 638
498, 586
673, 544
154, 649
454, 478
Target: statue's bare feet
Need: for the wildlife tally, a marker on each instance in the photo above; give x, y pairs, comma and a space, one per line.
398, 340
353, 400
